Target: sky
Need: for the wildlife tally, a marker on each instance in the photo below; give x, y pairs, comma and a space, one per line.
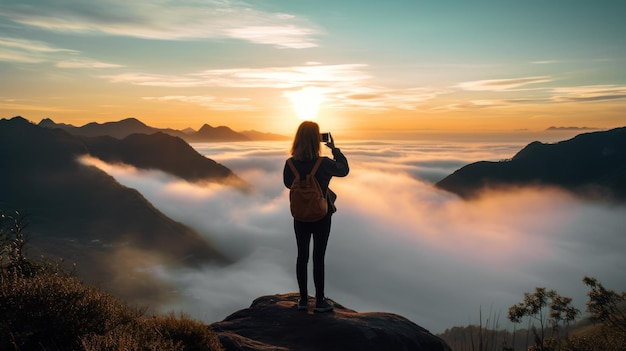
397, 243
360, 68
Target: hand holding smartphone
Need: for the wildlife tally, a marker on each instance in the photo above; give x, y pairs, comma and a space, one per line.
328, 139
325, 137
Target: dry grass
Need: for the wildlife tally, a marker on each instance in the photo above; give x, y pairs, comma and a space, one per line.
45, 307
56, 311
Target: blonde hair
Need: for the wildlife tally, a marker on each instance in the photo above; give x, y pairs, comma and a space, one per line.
306, 144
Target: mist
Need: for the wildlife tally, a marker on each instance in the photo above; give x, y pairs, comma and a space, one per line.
397, 243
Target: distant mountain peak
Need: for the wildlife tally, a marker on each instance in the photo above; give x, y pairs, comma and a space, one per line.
132, 120
131, 125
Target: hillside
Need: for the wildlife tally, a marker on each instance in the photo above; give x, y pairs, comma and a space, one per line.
160, 151
126, 127
84, 215
591, 165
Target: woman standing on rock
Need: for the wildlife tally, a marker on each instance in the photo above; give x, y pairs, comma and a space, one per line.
305, 156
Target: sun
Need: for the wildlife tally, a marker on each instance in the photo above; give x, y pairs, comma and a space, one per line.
306, 102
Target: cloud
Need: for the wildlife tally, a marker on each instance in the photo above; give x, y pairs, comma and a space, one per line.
27, 51
345, 86
288, 36
25, 105
382, 98
545, 62
397, 244
30, 51
85, 63
167, 20
568, 128
268, 77
502, 84
224, 104
589, 93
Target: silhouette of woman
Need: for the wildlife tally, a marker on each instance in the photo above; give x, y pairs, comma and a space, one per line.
305, 151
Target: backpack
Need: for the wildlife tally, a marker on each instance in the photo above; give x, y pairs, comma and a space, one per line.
306, 201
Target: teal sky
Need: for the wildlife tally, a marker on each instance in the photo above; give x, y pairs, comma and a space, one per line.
397, 65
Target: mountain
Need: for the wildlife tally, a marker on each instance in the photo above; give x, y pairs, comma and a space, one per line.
221, 133
160, 151
591, 165
118, 129
255, 135
123, 128
83, 215
274, 323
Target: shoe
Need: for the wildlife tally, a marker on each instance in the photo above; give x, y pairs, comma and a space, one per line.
303, 304
323, 306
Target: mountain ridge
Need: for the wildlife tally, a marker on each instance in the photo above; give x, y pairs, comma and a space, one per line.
590, 165
125, 127
82, 214
163, 152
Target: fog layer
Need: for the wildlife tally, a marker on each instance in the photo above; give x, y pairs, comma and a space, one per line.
397, 244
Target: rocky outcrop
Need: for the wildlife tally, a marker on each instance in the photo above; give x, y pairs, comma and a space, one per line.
274, 323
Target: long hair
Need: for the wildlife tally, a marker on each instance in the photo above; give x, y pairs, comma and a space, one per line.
306, 144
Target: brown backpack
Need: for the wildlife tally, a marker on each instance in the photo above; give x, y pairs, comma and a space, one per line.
306, 201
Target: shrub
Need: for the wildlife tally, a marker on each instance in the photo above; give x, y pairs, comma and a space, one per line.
44, 307
157, 333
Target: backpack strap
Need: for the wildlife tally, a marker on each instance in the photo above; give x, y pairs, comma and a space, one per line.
316, 166
293, 169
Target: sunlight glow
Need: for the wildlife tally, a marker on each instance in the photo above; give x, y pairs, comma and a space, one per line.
306, 102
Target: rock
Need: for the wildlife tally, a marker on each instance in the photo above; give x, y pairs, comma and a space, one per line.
274, 323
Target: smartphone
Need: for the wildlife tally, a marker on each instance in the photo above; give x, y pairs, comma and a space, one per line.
325, 137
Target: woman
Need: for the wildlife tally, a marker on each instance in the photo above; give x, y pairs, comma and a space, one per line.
304, 153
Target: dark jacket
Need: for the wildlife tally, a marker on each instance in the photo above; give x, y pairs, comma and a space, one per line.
328, 169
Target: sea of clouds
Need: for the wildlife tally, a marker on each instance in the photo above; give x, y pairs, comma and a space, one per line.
397, 243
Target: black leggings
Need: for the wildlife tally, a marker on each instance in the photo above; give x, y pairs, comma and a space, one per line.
320, 231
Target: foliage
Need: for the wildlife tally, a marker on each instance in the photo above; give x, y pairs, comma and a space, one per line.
12, 244
534, 306
605, 305
607, 310
44, 307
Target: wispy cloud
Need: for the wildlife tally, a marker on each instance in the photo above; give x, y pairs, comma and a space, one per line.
268, 77
19, 106
589, 93
342, 85
545, 62
376, 98
85, 63
211, 102
287, 77
502, 84
30, 51
167, 20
